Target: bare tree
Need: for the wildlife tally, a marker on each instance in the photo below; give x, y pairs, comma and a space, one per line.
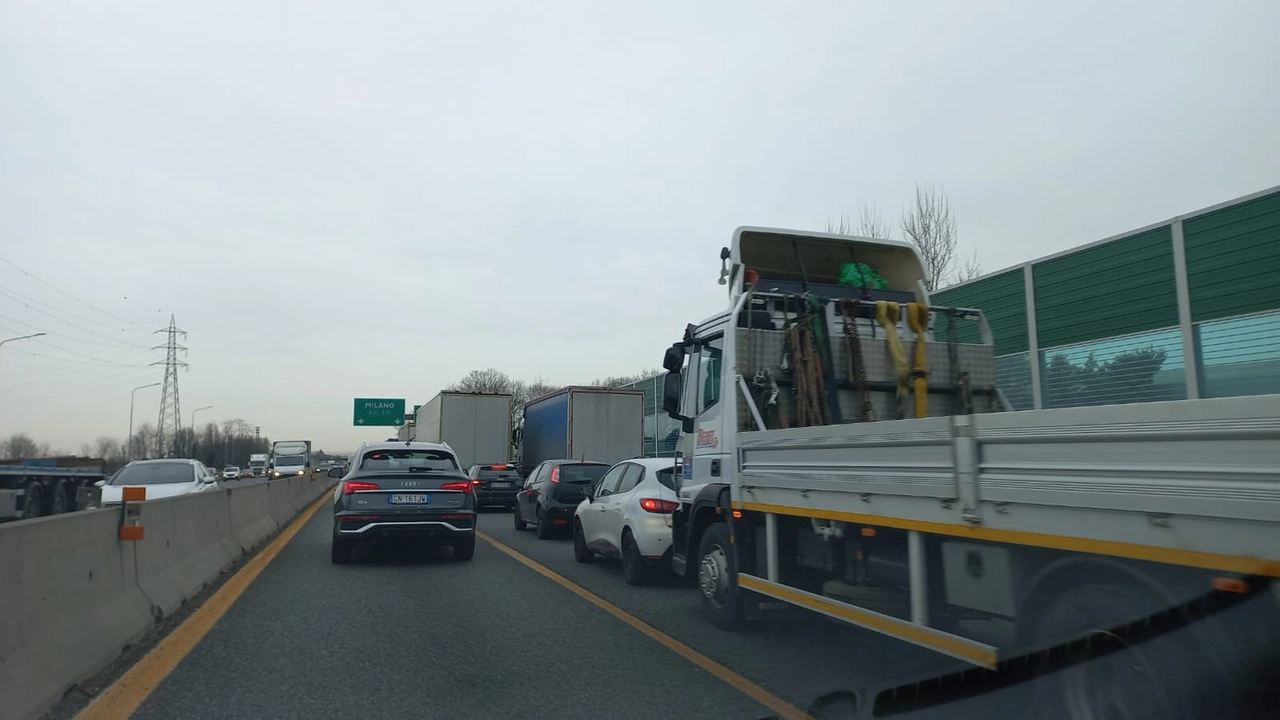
617, 381
971, 270
930, 225
106, 447
491, 380
869, 224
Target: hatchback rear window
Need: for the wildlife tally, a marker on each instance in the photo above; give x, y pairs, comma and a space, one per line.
582, 473
667, 477
408, 459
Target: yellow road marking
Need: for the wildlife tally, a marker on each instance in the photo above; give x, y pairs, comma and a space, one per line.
781, 707
1172, 556
131, 689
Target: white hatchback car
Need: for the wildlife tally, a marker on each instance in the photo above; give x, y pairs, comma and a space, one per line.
161, 478
628, 515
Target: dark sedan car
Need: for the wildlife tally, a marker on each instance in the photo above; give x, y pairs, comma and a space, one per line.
552, 493
495, 484
403, 492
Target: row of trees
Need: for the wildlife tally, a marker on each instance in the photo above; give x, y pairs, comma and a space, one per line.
216, 445
493, 380
928, 223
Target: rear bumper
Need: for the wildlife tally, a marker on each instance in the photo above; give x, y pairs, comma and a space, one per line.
559, 514
362, 527
496, 497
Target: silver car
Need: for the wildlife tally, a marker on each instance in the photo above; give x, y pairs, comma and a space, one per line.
628, 515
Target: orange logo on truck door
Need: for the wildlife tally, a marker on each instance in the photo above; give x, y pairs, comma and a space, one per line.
707, 439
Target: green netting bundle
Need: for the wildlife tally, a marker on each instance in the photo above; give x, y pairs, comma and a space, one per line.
859, 275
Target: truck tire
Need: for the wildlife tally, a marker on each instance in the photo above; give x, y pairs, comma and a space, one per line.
32, 501
1149, 679
717, 574
59, 502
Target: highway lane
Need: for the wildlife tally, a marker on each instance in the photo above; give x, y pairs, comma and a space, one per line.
413, 635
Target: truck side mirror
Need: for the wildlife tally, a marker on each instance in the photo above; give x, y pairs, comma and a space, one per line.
673, 359
672, 389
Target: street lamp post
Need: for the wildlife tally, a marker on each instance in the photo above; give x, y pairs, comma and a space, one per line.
128, 441
22, 337
192, 450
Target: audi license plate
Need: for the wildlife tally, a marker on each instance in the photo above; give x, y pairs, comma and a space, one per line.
411, 499
500, 484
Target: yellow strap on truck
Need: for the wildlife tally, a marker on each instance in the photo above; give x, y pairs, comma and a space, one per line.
887, 313
918, 319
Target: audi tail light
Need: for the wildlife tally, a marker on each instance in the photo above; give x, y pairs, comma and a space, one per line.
655, 505
463, 486
352, 486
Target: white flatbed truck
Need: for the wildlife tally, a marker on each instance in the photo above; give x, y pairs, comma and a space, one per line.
889, 488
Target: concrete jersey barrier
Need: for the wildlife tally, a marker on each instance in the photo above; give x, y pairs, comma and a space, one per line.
74, 595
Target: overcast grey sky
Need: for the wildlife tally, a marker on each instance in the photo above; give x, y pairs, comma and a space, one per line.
370, 199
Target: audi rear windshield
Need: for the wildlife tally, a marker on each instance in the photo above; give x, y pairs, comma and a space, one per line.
408, 460
575, 474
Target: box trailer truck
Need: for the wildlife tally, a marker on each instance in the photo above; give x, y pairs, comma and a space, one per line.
584, 423
476, 425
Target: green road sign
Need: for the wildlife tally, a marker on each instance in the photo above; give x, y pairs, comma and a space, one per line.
415, 410
378, 411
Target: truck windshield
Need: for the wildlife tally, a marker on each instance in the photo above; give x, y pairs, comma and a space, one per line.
287, 460
407, 459
162, 473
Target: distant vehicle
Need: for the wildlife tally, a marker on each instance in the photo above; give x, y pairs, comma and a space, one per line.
162, 479
551, 494
258, 463
628, 515
231, 472
289, 457
32, 487
495, 484
578, 422
403, 492
246, 473
477, 426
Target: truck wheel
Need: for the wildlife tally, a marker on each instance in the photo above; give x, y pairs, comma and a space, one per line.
521, 525
1141, 681
718, 578
581, 552
58, 500
32, 501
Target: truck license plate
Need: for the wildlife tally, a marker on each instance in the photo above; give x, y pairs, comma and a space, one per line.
411, 499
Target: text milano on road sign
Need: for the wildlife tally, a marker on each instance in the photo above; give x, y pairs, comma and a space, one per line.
379, 411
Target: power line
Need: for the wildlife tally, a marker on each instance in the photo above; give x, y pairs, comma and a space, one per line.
30, 307
10, 263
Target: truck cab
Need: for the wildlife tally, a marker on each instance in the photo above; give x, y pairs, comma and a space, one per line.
773, 277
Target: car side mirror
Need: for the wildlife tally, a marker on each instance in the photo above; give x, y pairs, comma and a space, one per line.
100, 483
335, 472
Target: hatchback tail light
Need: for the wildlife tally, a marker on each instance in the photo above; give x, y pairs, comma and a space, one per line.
476, 481
654, 505
352, 486
460, 486
555, 474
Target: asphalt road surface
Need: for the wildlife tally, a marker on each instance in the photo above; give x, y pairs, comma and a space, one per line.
413, 634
